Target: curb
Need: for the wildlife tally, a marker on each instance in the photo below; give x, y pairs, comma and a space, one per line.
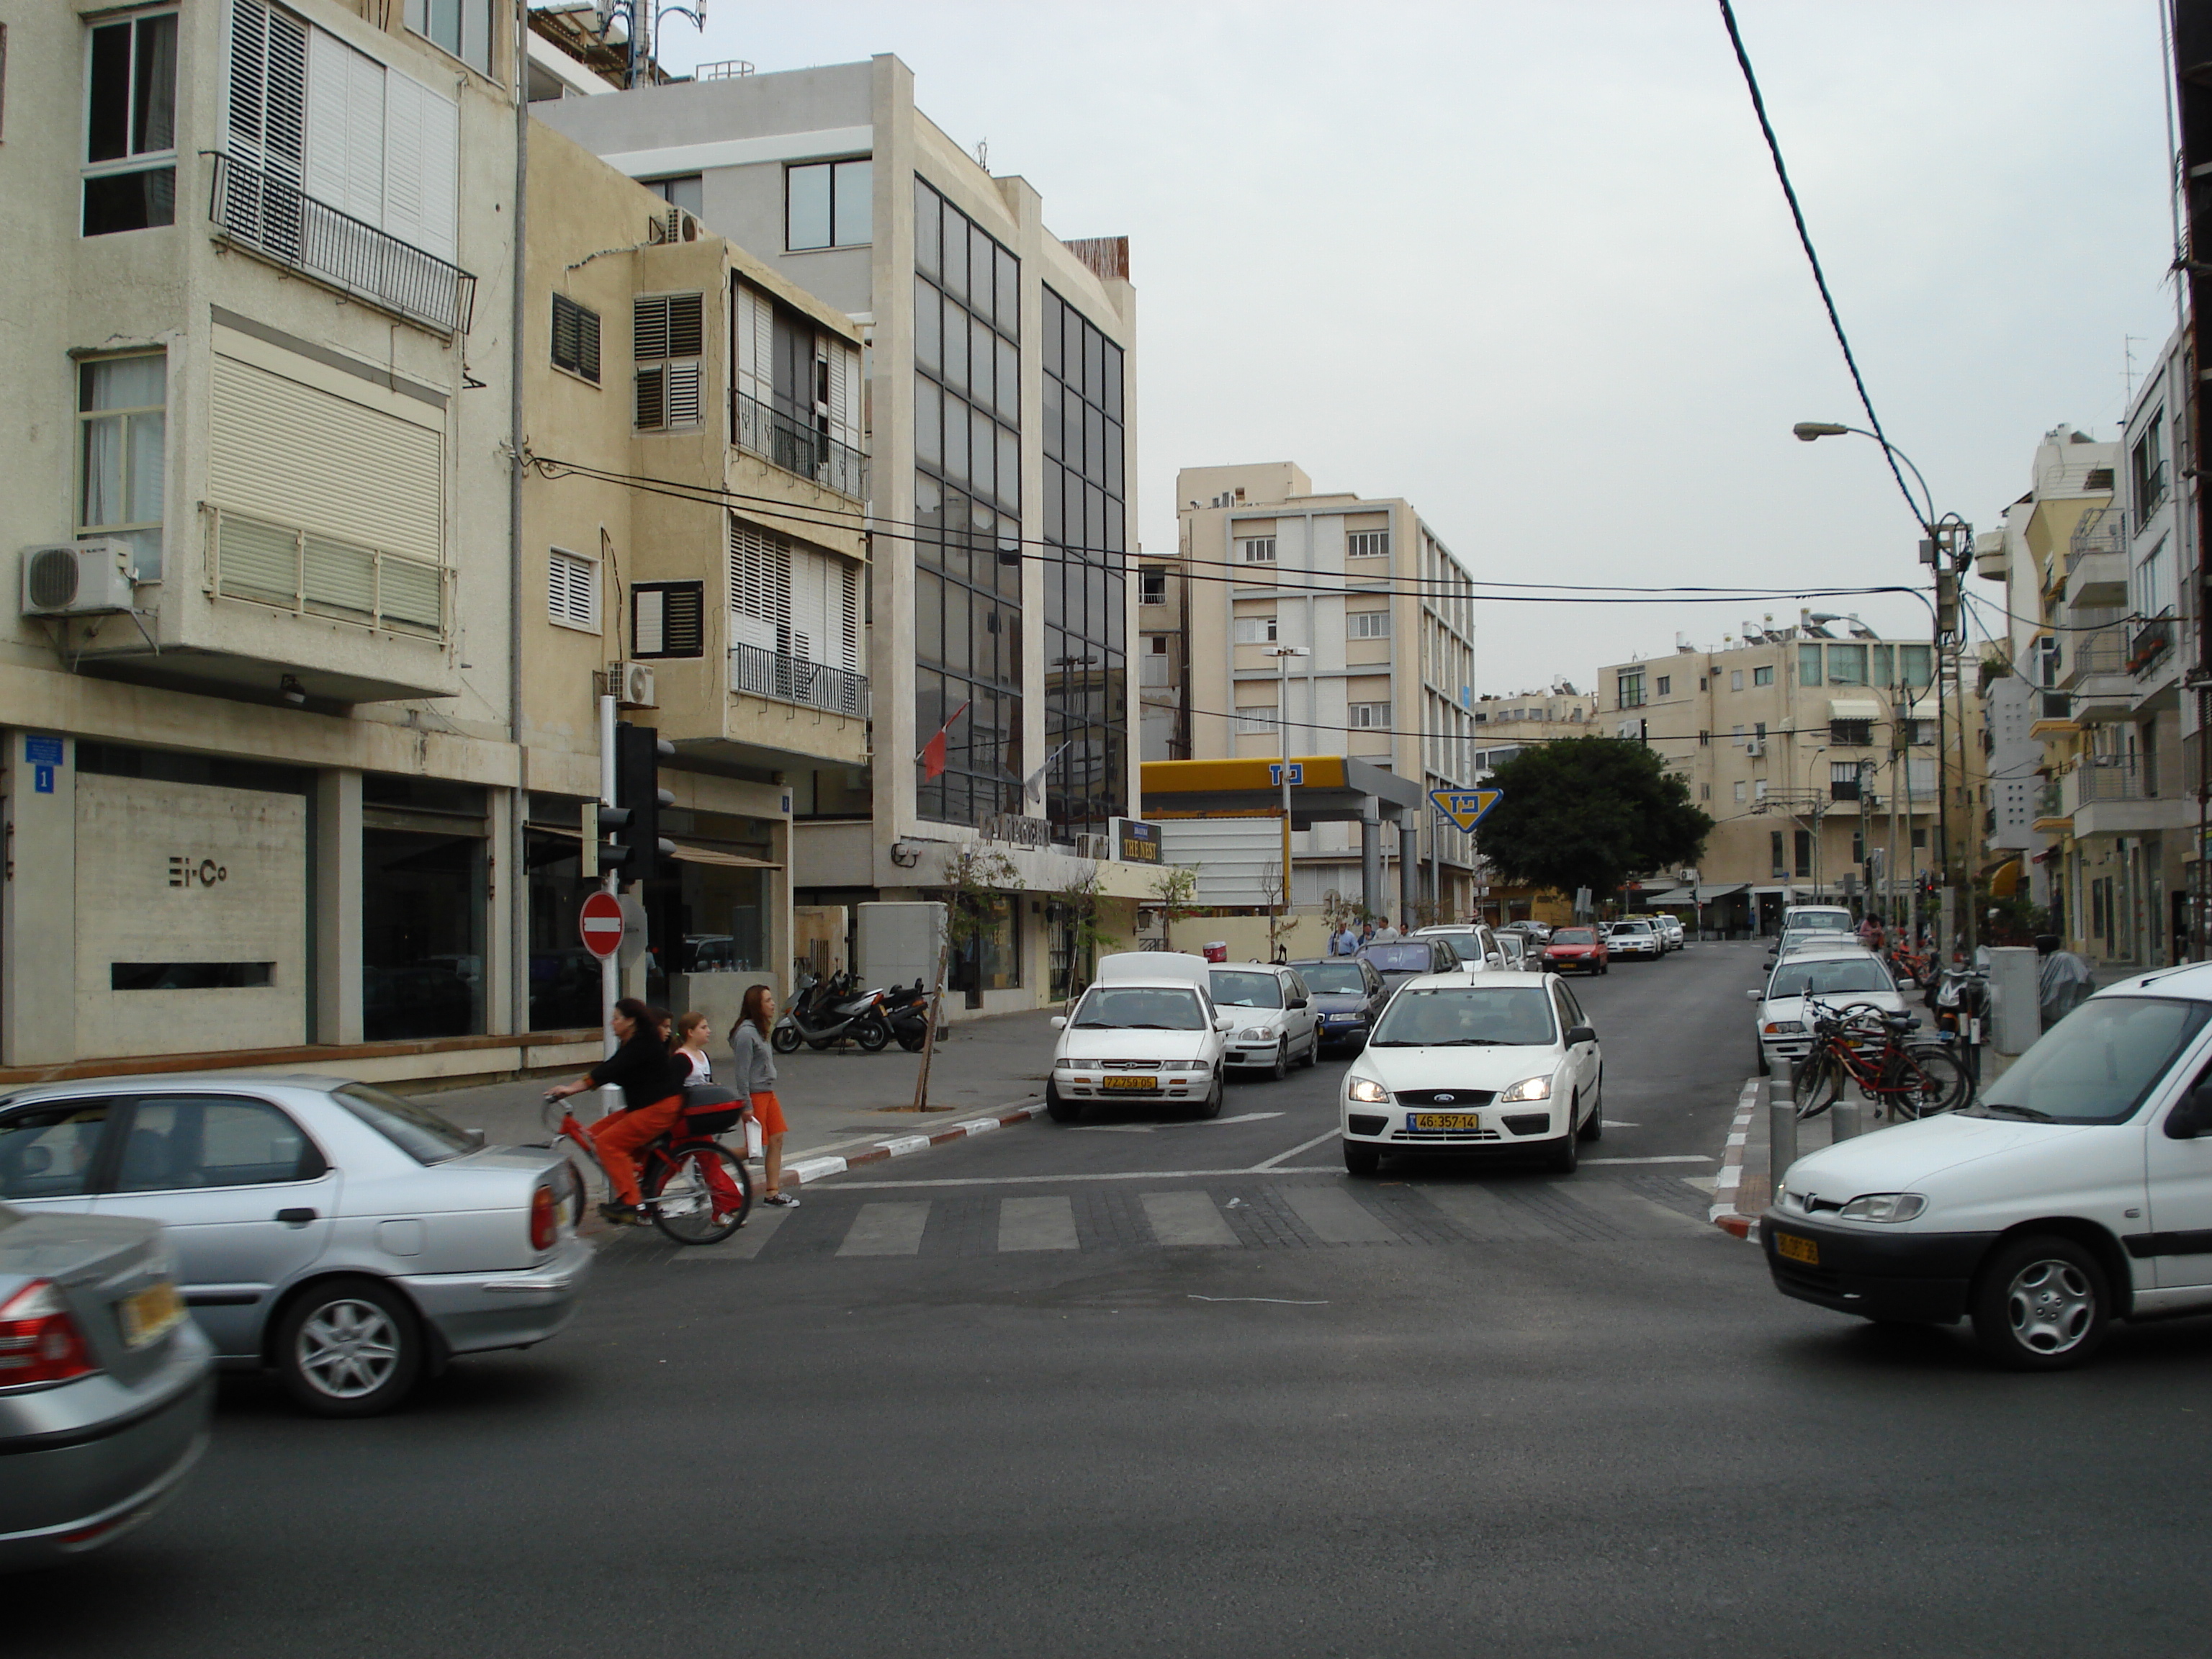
800, 1171
1723, 1214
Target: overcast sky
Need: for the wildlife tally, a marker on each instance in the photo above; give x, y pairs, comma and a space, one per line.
1528, 264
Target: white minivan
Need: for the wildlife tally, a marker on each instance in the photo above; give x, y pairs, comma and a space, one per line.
2077, 1190
1146, 1030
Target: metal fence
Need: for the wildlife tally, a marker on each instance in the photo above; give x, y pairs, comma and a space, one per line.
2117, 779
272, 216
794, 679
797, 447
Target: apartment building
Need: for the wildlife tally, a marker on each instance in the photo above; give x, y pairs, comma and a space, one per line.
1382, 614
1815, 750
997, 389
1505, 726
260, 698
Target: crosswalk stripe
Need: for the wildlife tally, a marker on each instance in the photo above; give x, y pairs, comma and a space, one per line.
886, 1229
1640, 1216
1037, 1224
1336, 1217
1185, 1218
1484, 1214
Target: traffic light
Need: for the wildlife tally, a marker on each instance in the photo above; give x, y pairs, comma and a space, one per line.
624, 840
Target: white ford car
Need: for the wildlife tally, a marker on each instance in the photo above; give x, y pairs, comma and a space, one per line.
1146, 1031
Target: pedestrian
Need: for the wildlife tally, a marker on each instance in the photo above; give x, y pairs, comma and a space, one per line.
1386, 935
1367, 932
691, 1033
756, 1081
2063, 979
651, 1082
1347, 943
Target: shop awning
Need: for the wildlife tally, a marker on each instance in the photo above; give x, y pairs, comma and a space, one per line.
691, 852
1853, 709
2004, 880
1722, 890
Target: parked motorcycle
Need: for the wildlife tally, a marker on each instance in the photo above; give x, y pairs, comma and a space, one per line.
824, 1012
906, 1007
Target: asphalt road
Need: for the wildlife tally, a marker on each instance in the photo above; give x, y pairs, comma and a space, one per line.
1134, 1388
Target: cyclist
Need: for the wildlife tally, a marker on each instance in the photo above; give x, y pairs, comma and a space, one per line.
651, 1082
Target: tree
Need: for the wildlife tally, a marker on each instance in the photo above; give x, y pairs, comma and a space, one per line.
1589, 812
1176, 888
1078, 900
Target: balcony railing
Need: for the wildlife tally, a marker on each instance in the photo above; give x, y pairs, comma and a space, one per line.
2148, 643
2102, 530
2119, 779
310, 574
794, 679
795, 445
272, 216
2050, 800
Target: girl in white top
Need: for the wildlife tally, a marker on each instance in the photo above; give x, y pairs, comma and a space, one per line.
691, 1047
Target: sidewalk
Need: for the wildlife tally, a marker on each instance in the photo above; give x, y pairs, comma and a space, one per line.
834, 1100
1745, 1186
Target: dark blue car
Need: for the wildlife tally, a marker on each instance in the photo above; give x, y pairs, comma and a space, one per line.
1348, 997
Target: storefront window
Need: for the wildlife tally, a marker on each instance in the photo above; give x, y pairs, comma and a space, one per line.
991, 959
564, 977
422, 908
709, 914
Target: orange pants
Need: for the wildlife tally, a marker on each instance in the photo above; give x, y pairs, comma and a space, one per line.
616, 1138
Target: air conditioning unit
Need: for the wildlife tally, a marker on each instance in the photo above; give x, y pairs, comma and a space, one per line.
1754, 747
632, 685
673, 226
77, 578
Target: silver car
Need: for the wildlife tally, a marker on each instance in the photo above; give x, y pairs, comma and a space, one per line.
349, 1240
105, 1384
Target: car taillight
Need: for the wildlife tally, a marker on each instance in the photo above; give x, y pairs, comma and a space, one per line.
38, 1340
544, 1220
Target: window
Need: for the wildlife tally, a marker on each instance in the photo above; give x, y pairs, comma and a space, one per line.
1808, 664
1258, 549
1843, 780
1774, 851
1914, 665
1255, 631
1368, 716
1153, 585
1367, 625
1759, 732
828, 204
122, 416
666, 338
572, 591
461, 27
2149, 584
1736, 679
1705, 792
130, 126
1666, 683
575, 338
2148, 467
49, 1151
197, 1141
668, 619
685, 192
1740, 794
1367, 545
1919, 838
1255, 719
1850, 734
1759, 789
1630, 690
1804, 850
1763, 676
1847, 664
1918, 733
1704, 739
1154, 664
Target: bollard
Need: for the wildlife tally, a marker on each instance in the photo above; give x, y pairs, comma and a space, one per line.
1849, 1116
1781, 1128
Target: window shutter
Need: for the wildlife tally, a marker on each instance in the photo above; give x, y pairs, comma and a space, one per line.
810, 612
422, 151
576, 337
267, 122
844, 391
686, 325
652, 398
849, 658
344, 135
668, 619
572, 590
760, 588
683, 394
755, 338
648, 328
587, 343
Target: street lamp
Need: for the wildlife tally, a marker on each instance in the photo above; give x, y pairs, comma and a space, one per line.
1282, 655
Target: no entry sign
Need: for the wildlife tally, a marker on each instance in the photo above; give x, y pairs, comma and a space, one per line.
601, 924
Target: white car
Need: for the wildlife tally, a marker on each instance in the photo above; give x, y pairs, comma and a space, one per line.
1839, 976
1671, 929
1276, 1025
1146, 1031
1473, 1063
1634, 939
2077, 1191
1477, 945
1819, 919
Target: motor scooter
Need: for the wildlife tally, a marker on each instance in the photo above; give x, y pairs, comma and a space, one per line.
825, 1012
906, 1007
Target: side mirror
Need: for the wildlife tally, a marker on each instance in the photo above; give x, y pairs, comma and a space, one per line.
1754, 994
2192, 1118
1060, 1022
1582, 1034
1224, 1024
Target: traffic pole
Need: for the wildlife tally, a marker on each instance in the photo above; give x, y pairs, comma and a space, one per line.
1781, 1128
611, 965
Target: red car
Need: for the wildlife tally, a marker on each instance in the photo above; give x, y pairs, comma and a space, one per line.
1577, 949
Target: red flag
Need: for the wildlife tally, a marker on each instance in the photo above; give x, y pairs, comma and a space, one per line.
933, 752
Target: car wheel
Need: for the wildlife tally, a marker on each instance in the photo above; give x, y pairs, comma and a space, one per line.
1059, 1107
1595, 1129
1313, 1051
1211, 1106
1765, 1069
1281, 1068
1567, 1156
350, 1347
1360, 1159
2041, 1305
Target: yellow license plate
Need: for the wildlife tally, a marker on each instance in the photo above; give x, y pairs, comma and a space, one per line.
151, 1314
1797, 1249
1445, 1121
1130, 1082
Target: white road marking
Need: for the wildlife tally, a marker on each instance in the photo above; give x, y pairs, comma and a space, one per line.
1307, 1146
1336, 1217
886, 1229
752, 1238
1281, 1301
1037, 1224
1185, 1218
1703, 1183
1218, 1122
1670, 1157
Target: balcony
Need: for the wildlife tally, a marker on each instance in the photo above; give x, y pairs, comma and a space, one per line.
785, 441
2052, 816
2096, 672
2112, 797
2147, 643
271, 217
314, 575
763, 673
2096, 559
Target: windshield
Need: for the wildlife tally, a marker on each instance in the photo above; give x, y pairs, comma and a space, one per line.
1575, 936
1449, 1016
415, 1130
1817, 923
1242, 990
1398, 959
1334, 978
1827, 978
1468, 944
2097, 1063
1632, 927
1139, 1008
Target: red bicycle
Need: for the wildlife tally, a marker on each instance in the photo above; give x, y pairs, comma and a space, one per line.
696, 1190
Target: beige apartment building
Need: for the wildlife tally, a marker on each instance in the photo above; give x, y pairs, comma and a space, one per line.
1382, 615
1813, 747
1506, 724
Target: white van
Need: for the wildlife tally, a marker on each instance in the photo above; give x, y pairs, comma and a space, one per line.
1146, 1030
2077, 1190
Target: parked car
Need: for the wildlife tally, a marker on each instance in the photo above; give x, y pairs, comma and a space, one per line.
1146, 1030
1471, 1064
349, 1240
1819, 918
2077, 1191
1535, 932
1635, 939
1474, 944
1348, 995
106, 1385
1839, 976
1576, 949
1409, 958
1276, 1025
1671, 927
1516, 951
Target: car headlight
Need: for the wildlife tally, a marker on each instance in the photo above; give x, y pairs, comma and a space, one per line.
1253, 1034
1783, 1027
1531, 1088
1367, 1090
1182, 1066
1065, 1065
1883, 1206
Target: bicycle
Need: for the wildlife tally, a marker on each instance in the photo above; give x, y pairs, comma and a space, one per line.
1920, 967
696, 1190
1869, 1046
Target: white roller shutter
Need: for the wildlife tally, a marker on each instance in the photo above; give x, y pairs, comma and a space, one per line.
755, 338
844, 362
422, 156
